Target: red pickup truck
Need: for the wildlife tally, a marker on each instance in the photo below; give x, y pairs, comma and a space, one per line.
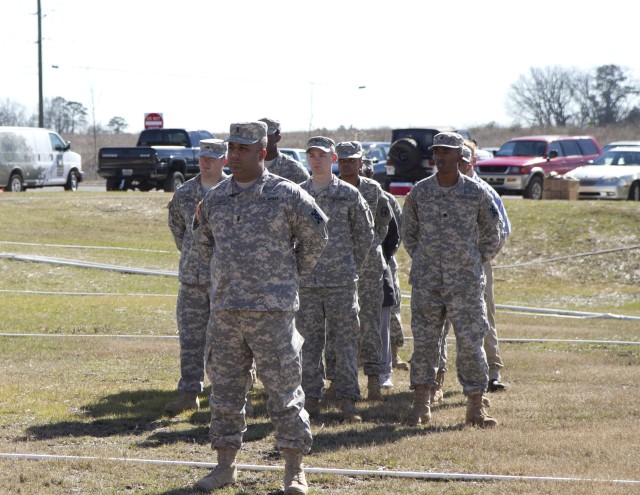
521, 164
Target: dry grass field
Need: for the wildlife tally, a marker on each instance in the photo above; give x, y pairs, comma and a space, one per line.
92, 358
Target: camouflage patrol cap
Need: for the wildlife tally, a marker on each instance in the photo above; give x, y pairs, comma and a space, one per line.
213, 148
322, 143
273, 126
447, 140
349, 149
466, 153
247, 132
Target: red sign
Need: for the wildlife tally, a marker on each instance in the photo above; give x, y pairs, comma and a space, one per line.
153, 121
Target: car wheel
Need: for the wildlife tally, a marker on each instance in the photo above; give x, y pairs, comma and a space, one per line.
534, 189
634, 192
16, 184
173, 182
72, 181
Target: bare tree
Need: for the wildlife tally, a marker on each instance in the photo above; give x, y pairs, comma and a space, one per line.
117, 125
64, 116
544, 98
13, 113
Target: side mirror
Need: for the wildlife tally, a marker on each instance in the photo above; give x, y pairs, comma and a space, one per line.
552, 154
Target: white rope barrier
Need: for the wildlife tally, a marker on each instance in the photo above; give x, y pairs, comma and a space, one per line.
71, 246
568, 257
343, 472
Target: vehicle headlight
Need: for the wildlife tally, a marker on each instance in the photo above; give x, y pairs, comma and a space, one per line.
612, 181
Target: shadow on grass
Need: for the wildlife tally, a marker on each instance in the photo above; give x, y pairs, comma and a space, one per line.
125, 413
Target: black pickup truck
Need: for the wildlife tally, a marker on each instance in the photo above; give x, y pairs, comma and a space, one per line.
162, 159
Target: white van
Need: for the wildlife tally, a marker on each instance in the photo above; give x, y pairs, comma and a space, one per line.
34, 157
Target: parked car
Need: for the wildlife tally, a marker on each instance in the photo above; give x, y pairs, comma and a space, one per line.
31, 157
377, 151
297, 154
616, 144
483, 154
613, 175
491, 149
409, 159
521, 164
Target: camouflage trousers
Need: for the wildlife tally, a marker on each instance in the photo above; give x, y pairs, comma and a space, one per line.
467, 312
329, 313
192, 314
395, 330
235, 339
370, 297
491, 347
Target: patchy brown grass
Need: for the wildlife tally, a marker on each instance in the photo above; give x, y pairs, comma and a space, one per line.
571, 411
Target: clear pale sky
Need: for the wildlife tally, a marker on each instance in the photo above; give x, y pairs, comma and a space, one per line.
207, 63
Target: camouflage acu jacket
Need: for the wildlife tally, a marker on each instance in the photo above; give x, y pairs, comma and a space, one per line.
287, 167
193, 269
350, 230
450, 234
260, 240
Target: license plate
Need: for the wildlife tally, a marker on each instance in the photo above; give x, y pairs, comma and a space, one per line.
126, 172
391, 170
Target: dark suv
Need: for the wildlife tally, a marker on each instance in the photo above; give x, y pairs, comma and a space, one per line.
410, 159
521, 164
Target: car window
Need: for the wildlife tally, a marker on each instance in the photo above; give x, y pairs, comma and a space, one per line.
570, 148
587, 146
522, 148
56, 143
556, 146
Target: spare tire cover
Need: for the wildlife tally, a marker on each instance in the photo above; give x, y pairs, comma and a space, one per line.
405, 155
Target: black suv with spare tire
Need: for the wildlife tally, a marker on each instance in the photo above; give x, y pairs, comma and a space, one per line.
410, 159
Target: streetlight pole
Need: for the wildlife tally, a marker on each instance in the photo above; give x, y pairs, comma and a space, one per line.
40, 93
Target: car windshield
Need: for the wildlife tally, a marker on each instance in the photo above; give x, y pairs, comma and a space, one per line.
523, 148
377, 152
618, 158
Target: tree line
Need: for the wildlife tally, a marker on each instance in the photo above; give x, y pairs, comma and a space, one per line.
547, 97
61, 115
559, 97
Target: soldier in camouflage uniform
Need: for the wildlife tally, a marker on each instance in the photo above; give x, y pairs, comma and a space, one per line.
278, 163
261, 233
328, 296
451, 225
395, 327
370, 293
192, 309
396, 335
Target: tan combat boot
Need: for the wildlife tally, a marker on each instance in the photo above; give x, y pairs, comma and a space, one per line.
396, 362
373, 387
295, 482
349, 412
421, 411
476, 415
312, 405
437, 393
225, 473
188, 400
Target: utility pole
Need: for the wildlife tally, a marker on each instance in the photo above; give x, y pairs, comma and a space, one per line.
40, 94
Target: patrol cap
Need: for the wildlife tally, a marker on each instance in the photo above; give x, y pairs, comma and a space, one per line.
349, 149
247, 132
322, 143
273, 126
466, 153
213, 148
447, 140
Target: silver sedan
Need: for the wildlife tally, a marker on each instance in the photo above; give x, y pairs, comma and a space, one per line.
613, 175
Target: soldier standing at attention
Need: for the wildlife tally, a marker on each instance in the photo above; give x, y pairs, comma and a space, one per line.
261, 233
451, 225
328, 295
370, 292
278, 163
192, 309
